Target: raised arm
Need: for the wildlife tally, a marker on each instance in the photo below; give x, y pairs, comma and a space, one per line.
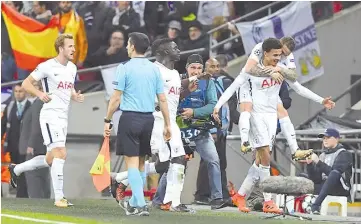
303, 91
238, 82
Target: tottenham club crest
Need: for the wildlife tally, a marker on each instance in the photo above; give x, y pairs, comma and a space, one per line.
257, 33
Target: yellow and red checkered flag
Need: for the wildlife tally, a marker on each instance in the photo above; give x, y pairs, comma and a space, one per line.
100, 170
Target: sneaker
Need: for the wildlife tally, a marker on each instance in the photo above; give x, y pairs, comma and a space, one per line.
14, 178
201, 201
63, 203
302, 154
271, 207
315, 210
218, 203
181, 208
120, 192
129, 210
143, 211
246, 147
240, 202
165, 207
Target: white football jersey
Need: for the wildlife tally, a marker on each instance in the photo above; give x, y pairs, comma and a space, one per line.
265, 93
257, 54
172, 89
58, 81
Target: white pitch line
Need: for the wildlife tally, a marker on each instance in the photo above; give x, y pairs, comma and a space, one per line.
34, 220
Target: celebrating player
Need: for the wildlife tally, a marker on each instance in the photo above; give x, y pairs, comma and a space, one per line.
278, 74
264, 92
57, 76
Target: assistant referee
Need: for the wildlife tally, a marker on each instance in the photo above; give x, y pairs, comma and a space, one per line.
138, 81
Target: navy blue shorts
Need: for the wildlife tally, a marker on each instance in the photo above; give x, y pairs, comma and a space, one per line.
134, 134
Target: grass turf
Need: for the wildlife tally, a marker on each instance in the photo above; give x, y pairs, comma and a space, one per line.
106, 211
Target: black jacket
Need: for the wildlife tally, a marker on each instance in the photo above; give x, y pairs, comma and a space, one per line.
100, 57
343, 164
30, 132
97, 20
285, 96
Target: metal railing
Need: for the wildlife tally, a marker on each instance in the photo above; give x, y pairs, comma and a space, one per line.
266, 7
314, 132
344, 93
99, 68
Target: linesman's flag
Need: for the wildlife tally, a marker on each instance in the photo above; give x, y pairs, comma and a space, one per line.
32, 42
100, 170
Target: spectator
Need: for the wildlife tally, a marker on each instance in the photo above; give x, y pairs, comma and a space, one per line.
196, 39
115, 52
16, 5
10, 125
250, 6
41, 12
174, 29
332, 171
208, 10
71, 22
185, 12
97, 16
139, 7
31, 145
232, 49
125, 18
8, 65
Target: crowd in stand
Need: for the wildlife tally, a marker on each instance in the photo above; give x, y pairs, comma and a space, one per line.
102, 28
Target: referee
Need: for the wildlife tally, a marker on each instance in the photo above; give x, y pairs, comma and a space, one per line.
138, 82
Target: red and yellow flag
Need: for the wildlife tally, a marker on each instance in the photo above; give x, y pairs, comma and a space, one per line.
100, 170
32, 42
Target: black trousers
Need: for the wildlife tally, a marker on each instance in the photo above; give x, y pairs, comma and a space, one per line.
22, 189
331, 186
203, 189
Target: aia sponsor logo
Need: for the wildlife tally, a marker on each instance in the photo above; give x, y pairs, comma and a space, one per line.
174, 90
65, 85
269, 83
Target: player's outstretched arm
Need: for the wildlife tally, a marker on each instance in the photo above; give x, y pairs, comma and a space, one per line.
237, 83
303, 91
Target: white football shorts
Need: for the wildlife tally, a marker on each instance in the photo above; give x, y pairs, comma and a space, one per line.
54, 131
158, 145
263, 128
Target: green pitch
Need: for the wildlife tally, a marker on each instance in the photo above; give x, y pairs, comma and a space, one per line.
93, 211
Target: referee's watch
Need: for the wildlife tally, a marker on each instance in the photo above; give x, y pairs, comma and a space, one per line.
107, 120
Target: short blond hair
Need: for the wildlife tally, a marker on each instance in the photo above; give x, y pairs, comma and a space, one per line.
59, 42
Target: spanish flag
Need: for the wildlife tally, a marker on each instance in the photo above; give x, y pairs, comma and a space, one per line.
100, 170
32, 42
